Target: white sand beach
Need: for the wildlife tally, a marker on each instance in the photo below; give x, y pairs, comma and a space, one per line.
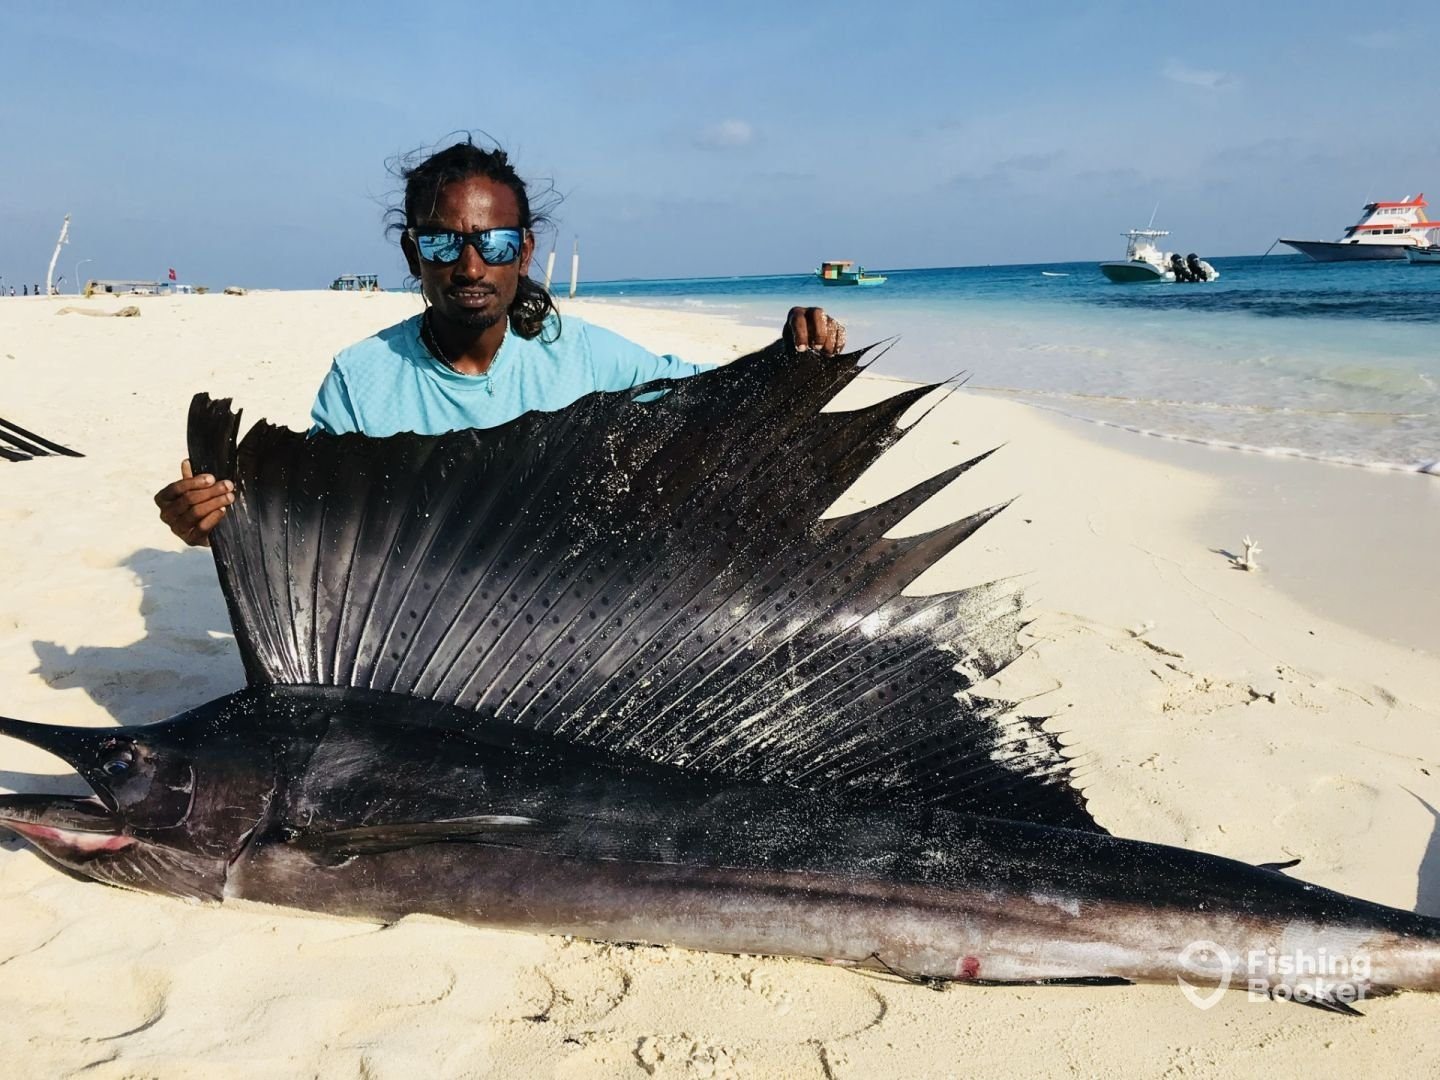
1293, 711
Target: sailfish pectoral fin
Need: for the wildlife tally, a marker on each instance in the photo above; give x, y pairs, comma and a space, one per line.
342, 844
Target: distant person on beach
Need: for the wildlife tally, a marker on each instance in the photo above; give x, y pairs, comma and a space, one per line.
489, 345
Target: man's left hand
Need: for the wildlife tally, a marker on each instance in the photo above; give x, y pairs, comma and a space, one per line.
810, 328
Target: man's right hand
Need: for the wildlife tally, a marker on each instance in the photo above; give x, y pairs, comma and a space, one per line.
193, 505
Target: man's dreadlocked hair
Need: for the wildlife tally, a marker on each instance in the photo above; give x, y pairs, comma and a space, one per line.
532, 306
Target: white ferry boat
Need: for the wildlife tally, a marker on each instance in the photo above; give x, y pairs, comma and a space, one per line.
1386, 230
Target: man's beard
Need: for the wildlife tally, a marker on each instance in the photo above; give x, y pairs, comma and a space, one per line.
477, 321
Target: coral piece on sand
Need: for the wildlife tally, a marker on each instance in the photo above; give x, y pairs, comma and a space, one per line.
1247, 561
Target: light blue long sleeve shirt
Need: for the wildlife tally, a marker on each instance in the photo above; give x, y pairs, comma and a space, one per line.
390, 383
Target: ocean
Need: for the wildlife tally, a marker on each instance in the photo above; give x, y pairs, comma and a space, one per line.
1285, 356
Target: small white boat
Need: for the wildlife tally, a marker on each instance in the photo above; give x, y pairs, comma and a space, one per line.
1052, 273
1386, 230
1429, 255
1146, 264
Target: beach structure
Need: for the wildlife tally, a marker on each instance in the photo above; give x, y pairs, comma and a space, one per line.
356, 283
136, 287
575, 268
838, 272
54, 257
124, 287
1386, 230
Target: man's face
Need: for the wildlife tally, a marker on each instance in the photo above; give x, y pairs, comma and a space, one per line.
471, 293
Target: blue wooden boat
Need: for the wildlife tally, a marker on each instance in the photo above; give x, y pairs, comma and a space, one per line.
838, 272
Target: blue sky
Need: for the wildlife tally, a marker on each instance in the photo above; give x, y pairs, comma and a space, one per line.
248, 144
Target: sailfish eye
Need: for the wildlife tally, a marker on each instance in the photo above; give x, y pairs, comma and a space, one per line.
118, 763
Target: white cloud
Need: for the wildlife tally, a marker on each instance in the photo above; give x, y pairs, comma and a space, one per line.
1186, 75
726, 134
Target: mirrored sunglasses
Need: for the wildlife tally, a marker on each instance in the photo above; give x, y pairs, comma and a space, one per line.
497, 247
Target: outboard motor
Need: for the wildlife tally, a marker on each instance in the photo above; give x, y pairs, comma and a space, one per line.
1178, 267
1196, 269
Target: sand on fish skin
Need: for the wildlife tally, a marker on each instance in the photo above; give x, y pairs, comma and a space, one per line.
1222, 711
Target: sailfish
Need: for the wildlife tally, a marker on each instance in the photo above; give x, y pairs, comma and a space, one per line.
609, 672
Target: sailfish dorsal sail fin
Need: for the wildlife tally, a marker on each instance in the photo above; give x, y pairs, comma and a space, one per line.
650, 577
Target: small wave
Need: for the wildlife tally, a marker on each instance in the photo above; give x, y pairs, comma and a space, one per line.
1212, 406
708, 305
1063, 347
664, 303
1428, 468
1402, 307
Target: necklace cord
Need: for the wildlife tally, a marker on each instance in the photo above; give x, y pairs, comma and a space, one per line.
432, 345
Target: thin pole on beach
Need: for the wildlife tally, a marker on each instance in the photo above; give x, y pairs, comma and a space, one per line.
550, 266
575, 268
64, 239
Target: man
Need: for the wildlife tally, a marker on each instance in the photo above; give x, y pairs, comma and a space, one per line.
489, 346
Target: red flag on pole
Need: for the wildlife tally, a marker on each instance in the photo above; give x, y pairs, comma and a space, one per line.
172, 274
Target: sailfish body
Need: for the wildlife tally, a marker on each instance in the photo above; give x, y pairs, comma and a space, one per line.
605, 672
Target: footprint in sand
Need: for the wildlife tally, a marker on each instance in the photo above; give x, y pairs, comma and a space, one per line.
774, 1001
70, 1004
690, 1007
682, 1055
1336, 807
762, 982
585, 984
29, 924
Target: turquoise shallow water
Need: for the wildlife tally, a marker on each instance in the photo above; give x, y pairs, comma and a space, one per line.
1281, 355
